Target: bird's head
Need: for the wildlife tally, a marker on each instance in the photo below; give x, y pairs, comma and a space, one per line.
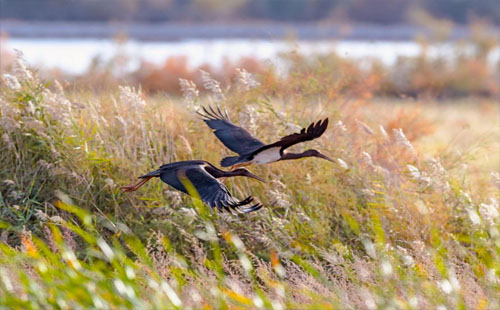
315, 153
246, 173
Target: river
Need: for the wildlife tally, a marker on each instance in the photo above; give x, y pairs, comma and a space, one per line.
75, 55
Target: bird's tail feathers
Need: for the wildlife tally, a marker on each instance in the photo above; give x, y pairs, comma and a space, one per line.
230, 161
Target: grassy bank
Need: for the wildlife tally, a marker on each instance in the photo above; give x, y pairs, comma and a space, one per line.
407, 218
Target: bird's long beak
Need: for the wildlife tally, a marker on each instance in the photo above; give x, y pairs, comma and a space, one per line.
251, 175
325, 157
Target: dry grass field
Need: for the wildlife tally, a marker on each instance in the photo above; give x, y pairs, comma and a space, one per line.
407, 216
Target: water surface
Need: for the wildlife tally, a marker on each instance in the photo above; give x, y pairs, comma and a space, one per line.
75, 55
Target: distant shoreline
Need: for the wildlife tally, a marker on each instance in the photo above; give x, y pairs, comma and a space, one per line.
177, 31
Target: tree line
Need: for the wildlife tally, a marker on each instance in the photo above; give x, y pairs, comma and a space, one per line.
370, 11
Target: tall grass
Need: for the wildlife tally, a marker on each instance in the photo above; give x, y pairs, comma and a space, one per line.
385, 227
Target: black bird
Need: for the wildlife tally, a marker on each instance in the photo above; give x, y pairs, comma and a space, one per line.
203, 176
253, 151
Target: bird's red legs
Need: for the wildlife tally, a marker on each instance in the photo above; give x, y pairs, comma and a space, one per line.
132, 188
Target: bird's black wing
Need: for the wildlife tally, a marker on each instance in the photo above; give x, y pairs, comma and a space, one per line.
215, 194
315, 130
233, 137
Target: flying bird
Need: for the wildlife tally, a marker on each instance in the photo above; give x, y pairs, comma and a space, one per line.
203, 176
253, 151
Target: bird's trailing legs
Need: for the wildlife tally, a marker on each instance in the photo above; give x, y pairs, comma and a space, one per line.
132, 188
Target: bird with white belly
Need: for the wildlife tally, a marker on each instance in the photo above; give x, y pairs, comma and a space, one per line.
253, 151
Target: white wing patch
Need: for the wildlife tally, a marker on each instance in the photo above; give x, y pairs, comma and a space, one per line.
267, 156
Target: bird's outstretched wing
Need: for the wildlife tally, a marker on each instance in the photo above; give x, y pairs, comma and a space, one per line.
315, 130
233, 137
216, 195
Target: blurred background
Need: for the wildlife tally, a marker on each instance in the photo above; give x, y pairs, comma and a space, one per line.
395, 47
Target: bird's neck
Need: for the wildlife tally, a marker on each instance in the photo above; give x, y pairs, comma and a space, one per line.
215, 172
289, 155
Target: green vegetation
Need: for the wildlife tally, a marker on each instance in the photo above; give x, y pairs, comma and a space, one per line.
386, 227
